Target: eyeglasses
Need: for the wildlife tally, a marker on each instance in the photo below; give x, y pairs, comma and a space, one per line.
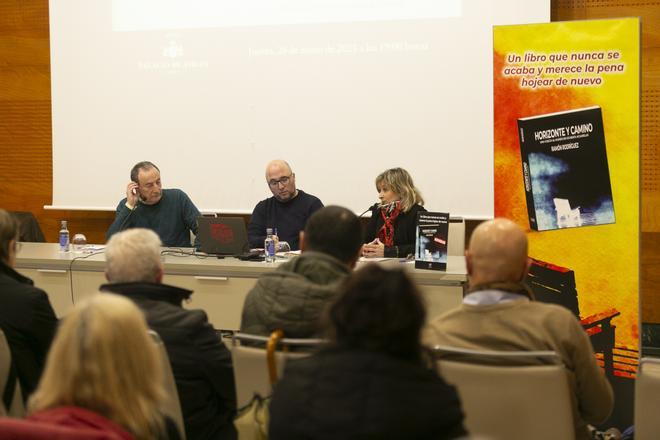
283, 180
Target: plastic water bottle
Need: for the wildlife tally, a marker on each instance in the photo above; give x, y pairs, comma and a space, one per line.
64, 237
269, 246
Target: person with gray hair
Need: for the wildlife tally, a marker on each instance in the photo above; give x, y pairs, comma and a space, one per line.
26, 315
168, 212
287, 211
200, 361
499, 313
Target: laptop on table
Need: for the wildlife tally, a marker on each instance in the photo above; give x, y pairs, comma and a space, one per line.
222, 235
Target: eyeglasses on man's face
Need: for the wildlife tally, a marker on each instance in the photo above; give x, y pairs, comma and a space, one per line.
282, 180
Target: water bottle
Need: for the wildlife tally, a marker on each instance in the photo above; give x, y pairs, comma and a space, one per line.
269, 246
64, 237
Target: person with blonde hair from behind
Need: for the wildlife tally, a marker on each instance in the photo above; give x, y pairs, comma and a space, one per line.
393, 220
103, 374
499, 313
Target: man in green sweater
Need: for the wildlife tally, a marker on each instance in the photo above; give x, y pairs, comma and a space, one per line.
498, 313
168, 212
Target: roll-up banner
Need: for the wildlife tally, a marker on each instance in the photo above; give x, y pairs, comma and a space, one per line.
566, 135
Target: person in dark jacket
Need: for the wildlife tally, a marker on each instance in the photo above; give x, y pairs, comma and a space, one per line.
293, 297
200, 362
392, 227
26, 315
372, 380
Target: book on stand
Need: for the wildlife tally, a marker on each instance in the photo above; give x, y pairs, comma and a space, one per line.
565, 171
431, 240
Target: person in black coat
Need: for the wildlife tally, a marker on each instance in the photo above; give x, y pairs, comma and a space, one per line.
26, 315
372, 380
201, 363
392, 225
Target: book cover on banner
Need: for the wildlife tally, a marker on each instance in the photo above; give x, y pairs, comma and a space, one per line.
431, 240
565, 172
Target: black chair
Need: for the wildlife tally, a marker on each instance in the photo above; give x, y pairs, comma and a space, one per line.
29, 229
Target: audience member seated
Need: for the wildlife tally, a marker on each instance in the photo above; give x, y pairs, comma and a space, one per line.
392, 227
103, 375
26, 316
292, 297
287, 211
499, 314
201, 364
372, 380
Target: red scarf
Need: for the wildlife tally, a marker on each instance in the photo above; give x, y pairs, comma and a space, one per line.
389, 214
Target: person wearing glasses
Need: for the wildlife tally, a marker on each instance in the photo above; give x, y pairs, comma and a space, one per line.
287, 211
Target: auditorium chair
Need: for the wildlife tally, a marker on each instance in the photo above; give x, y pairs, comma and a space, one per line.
509, 395
172, 404
456, 237
258, 366
647, 399
16, 407
29, 229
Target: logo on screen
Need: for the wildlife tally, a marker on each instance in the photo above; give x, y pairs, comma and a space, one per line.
222, 233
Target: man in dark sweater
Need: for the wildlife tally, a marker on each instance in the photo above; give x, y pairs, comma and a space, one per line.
201, 363
168, 212
287, 211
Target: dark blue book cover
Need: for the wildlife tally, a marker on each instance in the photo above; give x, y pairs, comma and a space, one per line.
565, 171
431, 241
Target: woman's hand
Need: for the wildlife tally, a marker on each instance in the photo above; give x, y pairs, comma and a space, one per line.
373, 249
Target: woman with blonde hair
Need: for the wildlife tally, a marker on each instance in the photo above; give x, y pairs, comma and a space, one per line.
392, 226
102, 362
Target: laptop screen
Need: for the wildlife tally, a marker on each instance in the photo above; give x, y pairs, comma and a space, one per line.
222, 235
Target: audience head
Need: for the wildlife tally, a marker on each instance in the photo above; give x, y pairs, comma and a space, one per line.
147, 176
396, 184
497, 253
335, 231
102, 359
379, 309
133, 255
281, 180
9, 229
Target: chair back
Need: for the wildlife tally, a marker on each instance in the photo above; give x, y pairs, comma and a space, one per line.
456, 237
172, 405
16, 408
256, 369
510, 395
647, 399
